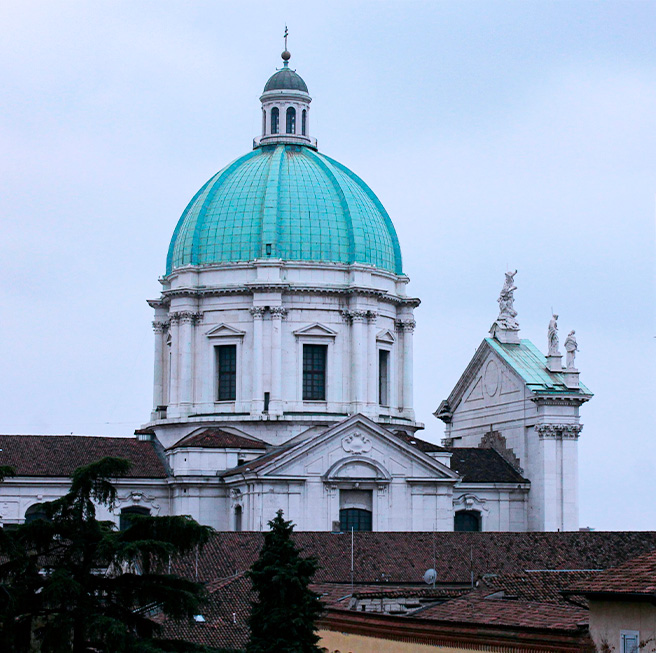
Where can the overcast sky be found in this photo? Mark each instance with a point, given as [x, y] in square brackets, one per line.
[497, 134]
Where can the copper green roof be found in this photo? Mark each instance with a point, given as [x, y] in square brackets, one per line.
[287, 202]
[529, 362]
[285, 79]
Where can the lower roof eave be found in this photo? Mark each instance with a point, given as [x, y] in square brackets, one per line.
[471, 485]
[427, 631]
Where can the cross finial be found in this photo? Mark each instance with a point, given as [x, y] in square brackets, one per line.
[285, 55]
[286, 34]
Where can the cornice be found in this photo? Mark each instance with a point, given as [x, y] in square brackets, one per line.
[252, 288]
[560, 400]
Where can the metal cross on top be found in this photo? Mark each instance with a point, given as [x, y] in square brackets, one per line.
[286, 34]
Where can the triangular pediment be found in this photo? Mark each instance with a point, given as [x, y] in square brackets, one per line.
[385, 336]
[224, 330]
[356, 450]
[316, 329]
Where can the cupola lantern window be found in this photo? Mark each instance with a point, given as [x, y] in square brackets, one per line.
[275, 120]
[291, 120]
[304, 122]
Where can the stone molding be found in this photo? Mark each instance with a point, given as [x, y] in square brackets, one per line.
[571, 431]
[381, 295]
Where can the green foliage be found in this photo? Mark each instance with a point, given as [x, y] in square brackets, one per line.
[283, 617]
[72, 583]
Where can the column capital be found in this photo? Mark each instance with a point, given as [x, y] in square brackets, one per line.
[405, 325]
[160, 326]
[561, 431]
[278, 312]
[186, 317]
[257, 312]
[358, 315]
[372, 316]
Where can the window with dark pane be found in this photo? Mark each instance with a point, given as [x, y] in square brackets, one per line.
[263, 121]
[314, 372]
[35, 512]
[303, 122]
[357, 519]
[128, 513]
[226, 363]
[383, 377]
[467, 520]
[275, 120]
[291, 120]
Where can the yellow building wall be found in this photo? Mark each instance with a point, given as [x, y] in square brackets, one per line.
[608, 618]
[335, 642]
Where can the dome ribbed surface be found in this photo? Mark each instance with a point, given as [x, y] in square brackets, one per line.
[287, 202]
[285, 79]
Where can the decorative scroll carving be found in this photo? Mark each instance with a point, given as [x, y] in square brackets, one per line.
[407, 325]
[186, 317]
[278, 312]
[559, 430]
[160, 327]
[356, 443]
[257, 312]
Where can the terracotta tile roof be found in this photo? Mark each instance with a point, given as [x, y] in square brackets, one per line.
[404, 557]
[543, 586]
[483, 466]
[476, 609]
[60, 455]
[637, 576]
[265, 459]
[225, 616]
[216, 438]
[422, 445]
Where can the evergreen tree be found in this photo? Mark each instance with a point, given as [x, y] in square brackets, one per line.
[283, 617]
[72, 583]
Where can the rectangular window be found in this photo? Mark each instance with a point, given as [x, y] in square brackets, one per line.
[314, 372]
[226, 365]
[629, 641]
[383, 377]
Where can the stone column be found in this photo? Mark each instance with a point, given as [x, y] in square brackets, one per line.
[185, 336]
[158, 379]
[407, 327]
[358, 358]
[175, 343]
[257, 401]
[372, 365]
[277, 315]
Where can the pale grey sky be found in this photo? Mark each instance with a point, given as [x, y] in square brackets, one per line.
[497, 134]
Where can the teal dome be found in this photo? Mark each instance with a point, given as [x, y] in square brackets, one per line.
[287, 202]
[286, 79]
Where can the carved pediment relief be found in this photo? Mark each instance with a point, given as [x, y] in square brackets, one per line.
[476, 393]
[223, 331]
[348, 469]
[315, 330]
[356, 443]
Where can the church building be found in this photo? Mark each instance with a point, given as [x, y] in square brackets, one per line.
[283, 372]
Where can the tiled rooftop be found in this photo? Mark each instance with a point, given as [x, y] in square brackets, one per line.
[216, 438]
[61, 455]
[483, 466]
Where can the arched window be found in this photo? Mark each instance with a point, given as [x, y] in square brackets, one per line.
[275, 120]
[263, 122]
[291, 120]
[238, 513]
[303, 122]
[128, 513]
[467, 520]
[35, 512]
[357, 519]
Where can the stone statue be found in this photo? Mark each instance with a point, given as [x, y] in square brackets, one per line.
[552, 336]
[571, 347]
[507, 312]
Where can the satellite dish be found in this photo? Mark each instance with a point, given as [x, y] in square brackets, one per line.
[430, 576]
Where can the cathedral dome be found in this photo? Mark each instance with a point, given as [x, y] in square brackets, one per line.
[289, 202]
[285, 80]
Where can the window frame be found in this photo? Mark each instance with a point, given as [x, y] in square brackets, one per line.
[304, 122]
[316, 346]
[290, 120]
[388, 377]
[274, 120]
[217, 372]
[468, 513]
[361, 513]
[123, 519]
[632, 634]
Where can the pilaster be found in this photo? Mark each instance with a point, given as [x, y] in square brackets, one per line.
[257, 400]
[407, 328]
[278, 314]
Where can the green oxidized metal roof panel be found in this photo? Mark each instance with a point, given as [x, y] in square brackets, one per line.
[288, 202]
[529, 362]
[286, 79]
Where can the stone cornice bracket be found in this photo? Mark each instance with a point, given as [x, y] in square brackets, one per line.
[405, 325]
[278, 312]
[257, 312]
[160, 327]
[566, 400]
[567, 431]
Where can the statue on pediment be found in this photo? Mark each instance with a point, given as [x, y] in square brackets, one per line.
[571, 347]
[552, 337]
